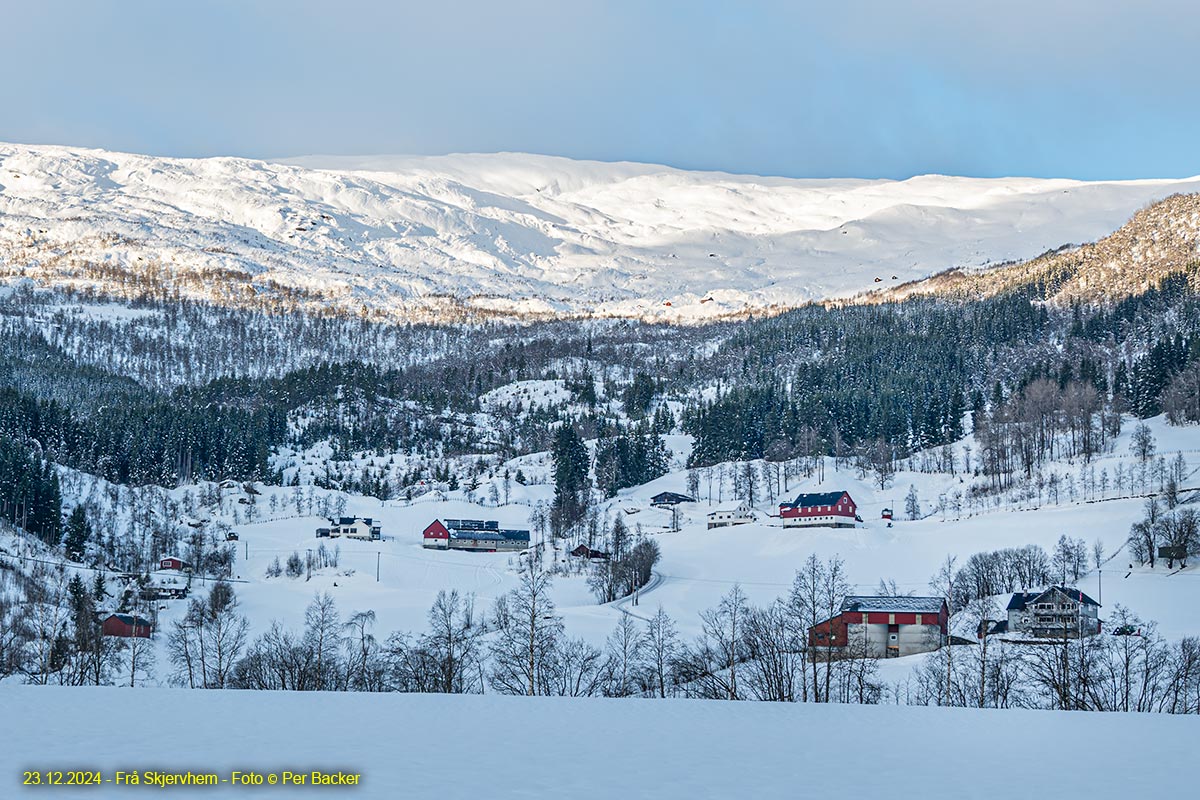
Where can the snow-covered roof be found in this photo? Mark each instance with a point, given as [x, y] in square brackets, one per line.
[730, 507]
[891, 605]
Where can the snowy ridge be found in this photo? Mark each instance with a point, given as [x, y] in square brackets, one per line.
[516, 234]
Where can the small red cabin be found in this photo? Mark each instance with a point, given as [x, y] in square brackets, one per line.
[173, 562]
[127, 626]
[885, 514]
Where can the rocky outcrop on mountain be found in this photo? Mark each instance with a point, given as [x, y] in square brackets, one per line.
[1161, 241]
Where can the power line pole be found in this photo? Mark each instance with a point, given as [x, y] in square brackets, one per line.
[377, 567]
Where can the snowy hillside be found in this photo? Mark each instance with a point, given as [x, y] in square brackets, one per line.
[698, 565]
[538, 747]
[398, 579]
[415, 237]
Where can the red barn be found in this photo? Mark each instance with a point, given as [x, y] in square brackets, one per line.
[436, 535]
[173, 562]
[127, 626]
[820, 509]
[885, 626]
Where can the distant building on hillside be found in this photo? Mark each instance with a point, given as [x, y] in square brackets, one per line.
[732, 513]
[885, 514]
[667, 499]
[127, 626]
[352, 528]
[474, 535]
[173, 562]
[156, 592]
[820, 510]
[882, 626]
[583, 551]
[1054, 613]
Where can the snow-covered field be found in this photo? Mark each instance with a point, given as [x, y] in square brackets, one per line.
[521, 233]
[426, 746]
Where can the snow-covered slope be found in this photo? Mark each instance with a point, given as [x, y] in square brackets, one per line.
[516, 233]
[398, 579]
[458, 746]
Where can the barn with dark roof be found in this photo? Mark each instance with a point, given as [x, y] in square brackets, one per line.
[820, 510]
[883, 626]
[666, 499]
[474, 534]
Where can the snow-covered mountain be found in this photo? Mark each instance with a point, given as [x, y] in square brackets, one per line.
[516, 233]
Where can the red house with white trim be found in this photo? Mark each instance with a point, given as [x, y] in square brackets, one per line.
[436, 535]
[173, 562]
[820, 510]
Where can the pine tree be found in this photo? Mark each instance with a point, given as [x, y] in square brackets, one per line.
[99, 588]
[571, 485]
[912, 505]
[78, 532]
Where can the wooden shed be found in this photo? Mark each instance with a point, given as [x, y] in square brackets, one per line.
[127, 626]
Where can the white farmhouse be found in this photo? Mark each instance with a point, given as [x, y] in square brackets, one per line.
[732, 513]
[352, 528]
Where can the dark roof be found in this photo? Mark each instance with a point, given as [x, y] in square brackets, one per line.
[490, 536]
[1020, 600]
[815, 499]
[671, 497]
[1073, 593]
[892, 604]
[473, 524]
[130, 619]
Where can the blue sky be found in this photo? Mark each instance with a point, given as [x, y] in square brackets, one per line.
[1070, 88]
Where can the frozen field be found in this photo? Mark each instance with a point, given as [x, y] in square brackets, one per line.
[431, 746]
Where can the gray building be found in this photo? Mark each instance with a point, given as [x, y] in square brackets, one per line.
[1054, 613]
[474, 534]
